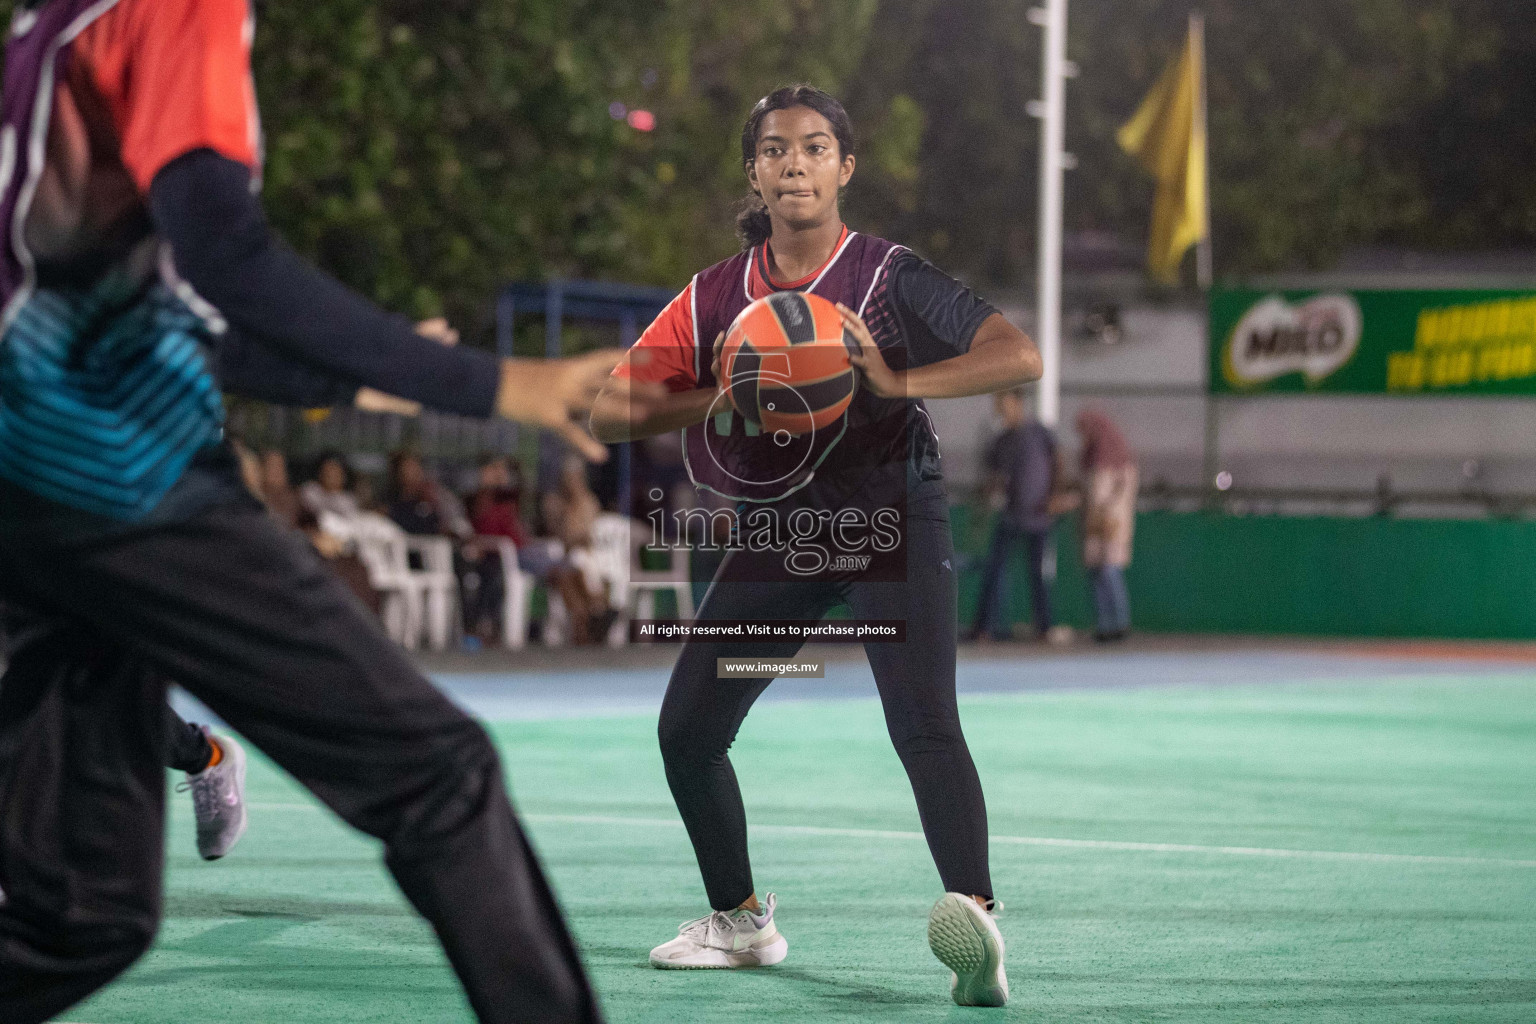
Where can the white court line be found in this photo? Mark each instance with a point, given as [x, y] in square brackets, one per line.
[1080, 844]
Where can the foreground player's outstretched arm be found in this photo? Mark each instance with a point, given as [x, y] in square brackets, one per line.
[665, 354]
[252, 369]
[614, 418]
[203, 205]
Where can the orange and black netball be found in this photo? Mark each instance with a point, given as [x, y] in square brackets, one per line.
[785, 361]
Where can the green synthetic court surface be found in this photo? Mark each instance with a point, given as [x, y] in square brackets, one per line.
[1357, 849]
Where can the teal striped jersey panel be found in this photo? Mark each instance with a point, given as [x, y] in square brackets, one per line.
[105, 397]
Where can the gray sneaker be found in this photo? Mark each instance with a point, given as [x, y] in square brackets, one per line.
[218, 800]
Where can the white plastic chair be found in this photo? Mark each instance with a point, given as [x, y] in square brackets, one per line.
[517, 605]
[381, 546]
[439, 587]
[616, 546]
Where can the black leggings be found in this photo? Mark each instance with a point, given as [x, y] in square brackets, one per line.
[916, 679]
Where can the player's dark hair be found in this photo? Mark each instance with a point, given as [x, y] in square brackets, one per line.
[752, 223]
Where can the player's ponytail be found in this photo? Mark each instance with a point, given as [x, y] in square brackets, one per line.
[752, 223]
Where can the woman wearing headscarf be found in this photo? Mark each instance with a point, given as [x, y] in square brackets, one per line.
[1109, 519]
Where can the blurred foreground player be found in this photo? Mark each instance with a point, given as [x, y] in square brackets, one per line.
[133, 239]
[214, 765]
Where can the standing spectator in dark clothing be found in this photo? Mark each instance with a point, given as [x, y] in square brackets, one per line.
[1022, 463]
[495, 510]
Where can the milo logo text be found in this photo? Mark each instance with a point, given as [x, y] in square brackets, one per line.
[1274, 338]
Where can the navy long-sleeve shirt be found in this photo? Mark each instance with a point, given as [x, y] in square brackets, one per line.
[297, 336]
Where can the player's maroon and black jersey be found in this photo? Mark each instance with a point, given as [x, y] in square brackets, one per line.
[916, 314]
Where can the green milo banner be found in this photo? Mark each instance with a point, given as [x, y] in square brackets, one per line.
[1374, 342]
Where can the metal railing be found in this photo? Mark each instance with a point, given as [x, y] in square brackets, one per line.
[436, 437]
[1384, 500]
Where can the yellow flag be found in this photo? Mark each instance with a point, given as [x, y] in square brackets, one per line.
[1167, 137]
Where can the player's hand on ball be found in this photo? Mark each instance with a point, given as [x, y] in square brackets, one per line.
[879, 379]
[551, 393]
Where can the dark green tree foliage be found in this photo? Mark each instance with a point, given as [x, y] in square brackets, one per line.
[714, 61]
[428, 151]
[1474, 145]
[967, 69]
[1333, 123]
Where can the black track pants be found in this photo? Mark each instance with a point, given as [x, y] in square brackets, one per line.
[245, 616]
[916, 679]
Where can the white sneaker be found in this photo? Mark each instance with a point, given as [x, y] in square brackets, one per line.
[218, 800]
[966, 940]
[736, 939]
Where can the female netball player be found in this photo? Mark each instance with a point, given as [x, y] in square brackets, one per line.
[920, 335]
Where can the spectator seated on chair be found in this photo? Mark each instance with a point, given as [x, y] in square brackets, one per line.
[419, 505]
[495, 510]
[343, 559]
[266, 477]
[569, 512]
[330, 489]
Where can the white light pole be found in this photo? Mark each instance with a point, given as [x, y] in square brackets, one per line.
[1054, 160]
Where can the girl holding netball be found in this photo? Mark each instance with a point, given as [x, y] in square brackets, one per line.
[919, 335]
